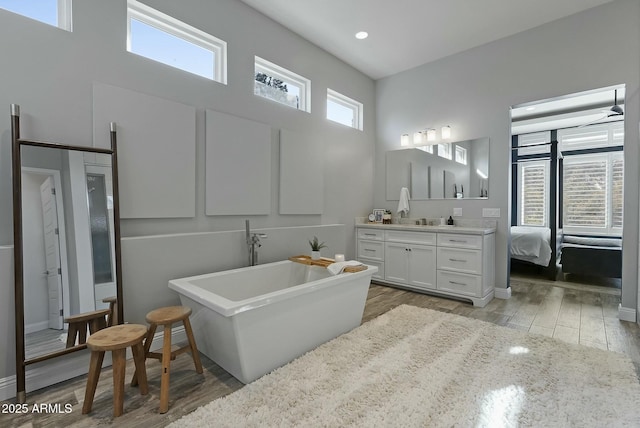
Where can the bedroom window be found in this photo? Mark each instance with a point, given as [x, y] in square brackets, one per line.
[533, 178]
[593, 193]
[281, 85]
[162, 38]
[344, 110]
[52, 12]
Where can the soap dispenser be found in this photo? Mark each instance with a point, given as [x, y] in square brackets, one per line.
[450, 221]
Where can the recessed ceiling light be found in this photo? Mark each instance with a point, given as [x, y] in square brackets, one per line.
[362, 35]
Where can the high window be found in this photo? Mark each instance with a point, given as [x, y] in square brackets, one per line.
[52, 12]
[281, 85]
[444, 151]
[160, 37]
[344, 110]
[461, 155]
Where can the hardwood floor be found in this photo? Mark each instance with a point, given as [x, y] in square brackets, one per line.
[565, 310]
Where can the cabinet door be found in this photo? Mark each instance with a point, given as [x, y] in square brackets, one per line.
[396, 262]
[422, 266]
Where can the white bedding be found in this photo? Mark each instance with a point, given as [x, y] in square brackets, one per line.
[531, 244]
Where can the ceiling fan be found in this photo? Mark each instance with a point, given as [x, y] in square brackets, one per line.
[615, 110]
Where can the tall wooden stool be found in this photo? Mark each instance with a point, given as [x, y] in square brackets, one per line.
[167, 317]
[115, 339]
[78, 324]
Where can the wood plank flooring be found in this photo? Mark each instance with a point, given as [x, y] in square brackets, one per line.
[567, 311]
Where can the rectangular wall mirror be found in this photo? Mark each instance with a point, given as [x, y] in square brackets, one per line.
[440, 171]
[67, 247]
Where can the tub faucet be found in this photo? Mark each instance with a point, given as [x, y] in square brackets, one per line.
[253, 243]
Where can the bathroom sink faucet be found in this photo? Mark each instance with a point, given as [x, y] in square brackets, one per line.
[253, 243]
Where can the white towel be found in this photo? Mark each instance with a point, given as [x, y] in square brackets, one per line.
[338, 267]
[403, 203]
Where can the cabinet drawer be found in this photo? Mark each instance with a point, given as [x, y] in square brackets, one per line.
[460, 260]
[371, 234]
[373, 250]
[460, 241]
[459, 283]
[425, 238]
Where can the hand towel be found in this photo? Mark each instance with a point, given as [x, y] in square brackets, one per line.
[338, 267]
[403, 203]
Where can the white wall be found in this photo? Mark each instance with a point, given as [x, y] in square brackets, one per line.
[52, 80]
[472, 91]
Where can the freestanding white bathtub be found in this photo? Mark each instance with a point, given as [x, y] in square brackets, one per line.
[255, 319]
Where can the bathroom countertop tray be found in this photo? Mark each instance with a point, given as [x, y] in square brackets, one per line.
[324, 262]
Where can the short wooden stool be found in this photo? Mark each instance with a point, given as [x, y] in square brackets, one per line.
[167, 317]
[115, 339]
[78, 324]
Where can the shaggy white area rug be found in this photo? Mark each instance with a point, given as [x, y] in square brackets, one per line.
[415, 367]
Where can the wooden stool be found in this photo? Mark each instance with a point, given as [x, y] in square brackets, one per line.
[166, 317]
[115, 339]
[112, 319]
[94, 320]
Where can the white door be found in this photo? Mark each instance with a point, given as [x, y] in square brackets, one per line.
[52, 253]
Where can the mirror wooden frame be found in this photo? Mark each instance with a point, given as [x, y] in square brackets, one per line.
[18, 245]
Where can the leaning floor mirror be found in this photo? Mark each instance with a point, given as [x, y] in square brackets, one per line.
[67, 260]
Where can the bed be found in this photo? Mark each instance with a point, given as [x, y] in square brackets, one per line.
[531, 244]
[536, 246]
[596, 256]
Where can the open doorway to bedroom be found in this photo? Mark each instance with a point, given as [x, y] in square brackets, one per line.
[567, 195]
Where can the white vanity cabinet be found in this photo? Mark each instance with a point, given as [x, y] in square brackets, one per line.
[410, 258]
[457, 262]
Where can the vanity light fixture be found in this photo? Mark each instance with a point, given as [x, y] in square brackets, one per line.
[431, 134]
[418, 137]
[361, 35]
[446, 132]
[404, 140]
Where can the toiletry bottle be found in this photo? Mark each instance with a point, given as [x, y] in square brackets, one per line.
[450, 221]
[442, 223]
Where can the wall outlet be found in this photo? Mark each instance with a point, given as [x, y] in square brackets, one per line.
[491, 212]
[457, 212]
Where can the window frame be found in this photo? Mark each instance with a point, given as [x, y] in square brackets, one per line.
[460, 155]
[262, 65]
[174, 27]
[545, 208]
[355, 106]
[609, 157]
[64, 16]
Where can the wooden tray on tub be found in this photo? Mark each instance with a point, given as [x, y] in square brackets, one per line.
[324, 262]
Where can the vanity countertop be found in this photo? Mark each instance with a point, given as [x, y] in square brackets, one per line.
[438, 229]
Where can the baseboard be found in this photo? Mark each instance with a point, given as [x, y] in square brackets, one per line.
[37, 326]
[72, 365]
[626, 314]
[503, 293]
